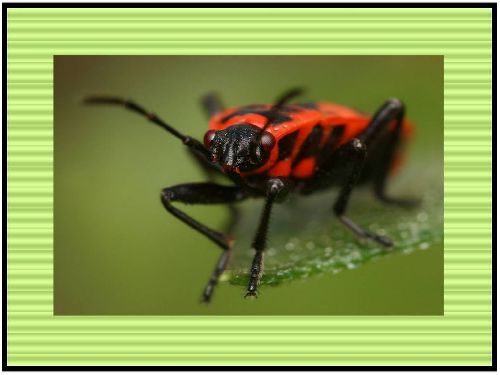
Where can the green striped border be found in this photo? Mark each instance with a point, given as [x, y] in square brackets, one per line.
[461, 337]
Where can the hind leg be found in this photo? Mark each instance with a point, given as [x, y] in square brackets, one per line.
[392, 110]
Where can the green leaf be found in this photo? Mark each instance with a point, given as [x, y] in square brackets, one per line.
[306, 239]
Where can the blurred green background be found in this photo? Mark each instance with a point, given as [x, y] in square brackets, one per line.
[117, 251]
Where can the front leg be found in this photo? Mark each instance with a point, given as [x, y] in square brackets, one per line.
[276, 187]
[204, 193]
[210, 171]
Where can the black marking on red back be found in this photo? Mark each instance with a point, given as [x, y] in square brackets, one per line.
[311, 145]
[331, 144]
[285, 145]
[276, 117]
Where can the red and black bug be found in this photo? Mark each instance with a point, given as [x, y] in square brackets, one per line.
[270, 151]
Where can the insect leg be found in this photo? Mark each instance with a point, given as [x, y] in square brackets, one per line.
[210, 173]
[275, 186]
[204, 193]
[234, 218]
[392, 110]
[355, 153]
[212, 104]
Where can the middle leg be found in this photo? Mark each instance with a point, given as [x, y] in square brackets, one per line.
[276, 187]
[354, 154]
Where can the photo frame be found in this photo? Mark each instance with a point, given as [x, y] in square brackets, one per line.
[463, 336]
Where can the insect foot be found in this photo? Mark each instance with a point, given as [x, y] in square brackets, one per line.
[384, 240]
[251, 295]
[255, 274]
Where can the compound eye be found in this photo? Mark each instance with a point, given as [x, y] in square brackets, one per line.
[209, 137]
[267, 141]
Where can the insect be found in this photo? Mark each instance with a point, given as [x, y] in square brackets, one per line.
[269, 151]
